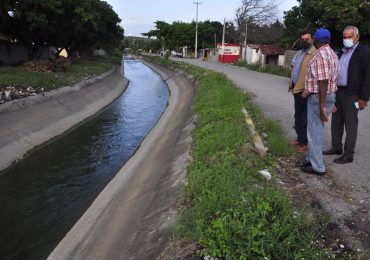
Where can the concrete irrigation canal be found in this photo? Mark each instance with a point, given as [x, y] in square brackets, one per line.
[70, 185]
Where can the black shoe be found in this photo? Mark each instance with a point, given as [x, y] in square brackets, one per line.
[309, 170]
[332, 151]
[343, 160]
[303, 163]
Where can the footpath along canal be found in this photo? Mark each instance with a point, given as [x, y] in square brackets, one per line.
[43, 196]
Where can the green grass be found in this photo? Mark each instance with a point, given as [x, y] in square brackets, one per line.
[276, 70]
[79, 70]
[230, 210]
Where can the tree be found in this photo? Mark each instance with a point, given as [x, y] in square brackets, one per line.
[232, 34]
[207, 31]
[256, 11]
[29, 22]
[257, 15]
[334, 15]
[74, 25]
[180, 34]
[86, 24]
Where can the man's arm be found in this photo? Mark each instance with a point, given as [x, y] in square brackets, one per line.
[323, 87]
[365, 84]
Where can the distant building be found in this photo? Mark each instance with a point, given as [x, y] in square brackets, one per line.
[229, 53]
[271, 55]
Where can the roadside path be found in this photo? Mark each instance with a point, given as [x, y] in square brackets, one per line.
[345, 190]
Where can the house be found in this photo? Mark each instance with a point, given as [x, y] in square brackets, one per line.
[228, 53]
[271, 55]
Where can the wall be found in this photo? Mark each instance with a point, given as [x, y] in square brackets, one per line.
[281, 60]
[289, 54]
[252, 56]
[14, 54]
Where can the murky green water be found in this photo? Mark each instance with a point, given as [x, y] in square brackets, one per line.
[43, 195]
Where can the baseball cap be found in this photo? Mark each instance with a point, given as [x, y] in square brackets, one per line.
[322, 35]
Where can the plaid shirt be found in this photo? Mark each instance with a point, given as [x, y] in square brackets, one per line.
[323, 66]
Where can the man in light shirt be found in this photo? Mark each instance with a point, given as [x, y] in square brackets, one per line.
[352, 96]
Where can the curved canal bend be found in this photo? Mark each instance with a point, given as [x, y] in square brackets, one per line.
[42, 196]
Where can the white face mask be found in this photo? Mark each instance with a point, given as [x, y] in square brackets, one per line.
[348, 43]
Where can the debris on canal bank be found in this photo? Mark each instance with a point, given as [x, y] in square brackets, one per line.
[9, 93]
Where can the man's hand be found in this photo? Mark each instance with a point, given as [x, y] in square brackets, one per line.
[362, 104]
[334, 109]
[305, 94]
[323, 116]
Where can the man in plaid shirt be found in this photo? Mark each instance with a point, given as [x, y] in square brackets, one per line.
[320, 88]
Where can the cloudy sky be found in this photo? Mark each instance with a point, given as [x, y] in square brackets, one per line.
[139, 16]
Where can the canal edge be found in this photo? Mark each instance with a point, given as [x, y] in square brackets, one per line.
[36, 121]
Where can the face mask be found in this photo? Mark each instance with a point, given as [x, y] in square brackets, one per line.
[348, 43]
[305, 45]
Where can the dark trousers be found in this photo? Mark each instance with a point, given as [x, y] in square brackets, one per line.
[300, 118]
[344, 118]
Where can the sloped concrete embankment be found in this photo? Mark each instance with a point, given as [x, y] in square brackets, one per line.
[130, 218]
[29, 122]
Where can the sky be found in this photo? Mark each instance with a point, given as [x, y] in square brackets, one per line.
[139, 16]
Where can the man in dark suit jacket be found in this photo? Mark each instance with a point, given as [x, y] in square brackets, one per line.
[352, 95]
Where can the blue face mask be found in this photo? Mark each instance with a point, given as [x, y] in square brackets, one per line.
[348, 43]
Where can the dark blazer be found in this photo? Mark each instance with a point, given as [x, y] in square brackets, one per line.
[359, 73]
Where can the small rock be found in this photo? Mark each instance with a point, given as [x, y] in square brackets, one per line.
[30, 89]
[16, 94]
[265, 173]
[8, 94]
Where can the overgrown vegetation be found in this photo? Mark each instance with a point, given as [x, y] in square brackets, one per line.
[276, 70]
[230, 211]
[79, 70]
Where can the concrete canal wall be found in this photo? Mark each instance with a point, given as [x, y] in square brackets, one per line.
[29, 122]
[130, 218]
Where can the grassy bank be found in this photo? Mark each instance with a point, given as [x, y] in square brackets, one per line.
[79, 70]
[230, 211]
[276, 70]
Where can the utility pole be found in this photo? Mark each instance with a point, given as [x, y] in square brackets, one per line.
[223, 40]
[223, 34]
[196, 31]
[245, 41]
[163, 45]
[215, 42]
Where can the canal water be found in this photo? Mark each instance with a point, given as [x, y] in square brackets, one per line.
[42, 196]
